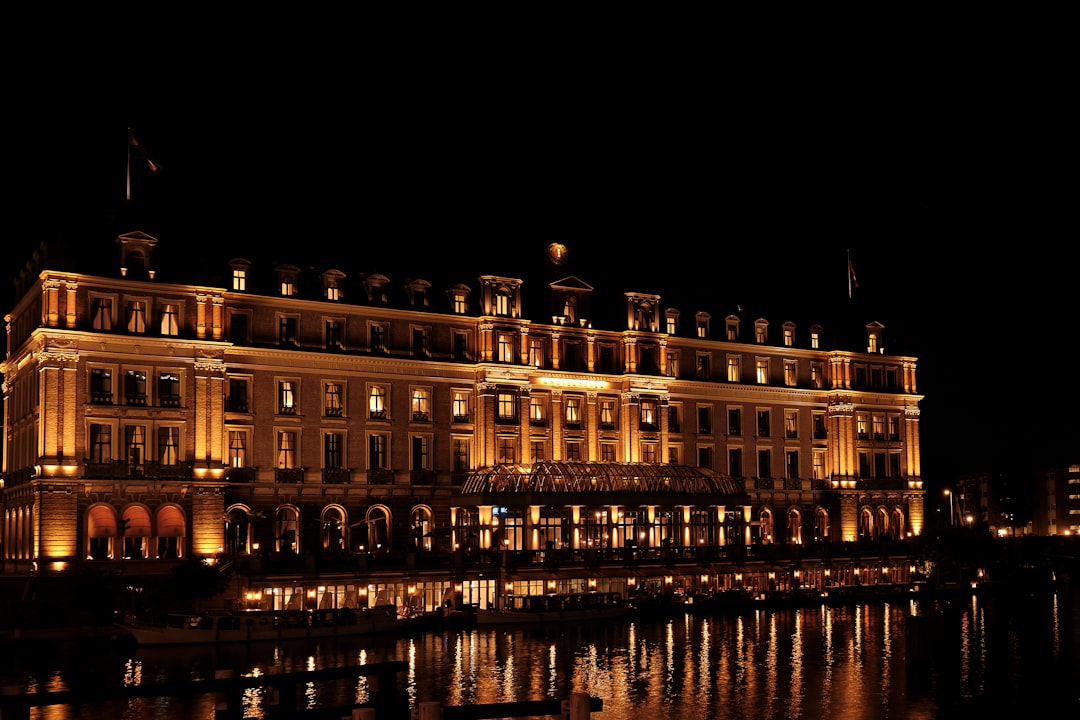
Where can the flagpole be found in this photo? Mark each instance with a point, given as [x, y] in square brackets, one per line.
[128, 198]
[849, 275]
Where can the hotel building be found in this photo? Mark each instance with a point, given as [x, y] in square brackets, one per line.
[305, 422]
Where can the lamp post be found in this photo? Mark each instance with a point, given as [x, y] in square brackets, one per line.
[948, 494]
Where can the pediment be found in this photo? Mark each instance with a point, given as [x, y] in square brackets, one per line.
[572, 283]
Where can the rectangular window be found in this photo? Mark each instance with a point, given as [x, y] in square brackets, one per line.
[894, 427]
[101, 386]
[607, 452]
[734, 421]
[287, 397]
[537, 449]
[136, 316]
[507, 448]
[238, 444]
[421, 452]
[894, 464]
[333, 399]
[287, 330]
[421, 404]
[704, 366]
[791, 461]
[286, 449]
[791, 373]
[815, 339]
[101, 313]
[672, 359]
[506, 406]
[168, 445]
[377, 402]
[819, 426]
[506, 348]
[239, 280]
[100, 443]
[573, 451]
[762, 367]
[648, 452]
[168, 388]
[170, 319]
[879, 464]
[238, 395]
[573, 411]
[135, 387]
[674, 424]
[760, 334]
[459, 304]
[735, 462]
[607, 359]
[704, 420]
[461, 346]
[536, 352]
[673, 454]
[536, 410]
[238, 328]
[135, 445]
[460, 403]
[704, 457]
[335, 335]
[607, 414]
[763, 429]
[420, 342]
[461, 455]
[734, 368]
[649, 418]
[377, 458]
[789, 337]
[732, 330]
[864, 464]
[878, 422]
[862, 426]
[379, 333]
[764, 462]
[502, 304]
[819, 464]
[817, 375]
[791, 424]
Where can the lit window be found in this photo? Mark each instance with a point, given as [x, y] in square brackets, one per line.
[536, 352]
[573, 451]
[286, 449]
[421, 404]
[506, 405]
[648, 413]
[377, 402]
[101, 312]
[573, 410]
[648, 452]
[734, 368]
[791, 424]
[170, 322]
[168, 445]
[239, 279]
[460, 403]
[789, 336]
[287, 397]
[732, 329]
[761, 333]
[238, 443]
[790, 372]
[536, 410]
[815, 338]
[507, 450]
[817, 375]
[819, 464]
[333, 398]
[762, 371]
[136, 316]
[607, 414]
[502, 303]
[607, 452]
[506, 348]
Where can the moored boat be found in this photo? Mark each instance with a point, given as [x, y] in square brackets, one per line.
[554, 608]
[262, 625]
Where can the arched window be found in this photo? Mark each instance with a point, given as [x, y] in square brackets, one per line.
[421, 525]
[287, 530]
[334, 530]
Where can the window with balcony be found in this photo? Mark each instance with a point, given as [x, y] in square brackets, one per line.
[100, 443]
[287, 454]
[764, 463]
[819, 464]
[862, 426]
[762, 371]
[378, 402]
[460, 405]
[573, 411]
[101, 390]
[734, 368]
[734, 421]
[506, 406]
[135, 387]
[877, 421]
[791, 424]
[239, 397]
[170, 319]
[238, 447]
[287, 397]
[420, 452]
[333, 399]
[378, 336]
[648, 410]
[135, 316]
[378, 444]
[763, 423]
[607, 414]
[135, 446]
[460, 452]
[421, 404]
[101, 313]
[168, 389]
[333, 450]
[169, 445]
[791, 373]
[791, 463]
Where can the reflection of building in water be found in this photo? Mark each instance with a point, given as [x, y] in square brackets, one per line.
[316, 420]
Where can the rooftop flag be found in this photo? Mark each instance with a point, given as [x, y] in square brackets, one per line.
[134, 144]
[852, 282]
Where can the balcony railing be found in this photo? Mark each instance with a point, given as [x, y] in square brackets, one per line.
[240, 474]
[380, 476]
[120, 469]
[422, 477]
[289, 475]
[336, 476]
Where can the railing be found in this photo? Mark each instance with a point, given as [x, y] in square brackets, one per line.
[240, 474]
[289, 475]
[336, 476]
[380, 476]
[123, 469]
[422, 477]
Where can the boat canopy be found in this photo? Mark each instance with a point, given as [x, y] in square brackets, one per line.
[576, 477]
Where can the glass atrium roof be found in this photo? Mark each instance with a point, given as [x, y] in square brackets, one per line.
[574, 477]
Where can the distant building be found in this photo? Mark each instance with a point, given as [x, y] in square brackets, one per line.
[316, 412]
[1057, 502]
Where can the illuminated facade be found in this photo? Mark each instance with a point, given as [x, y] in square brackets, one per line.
[364, 415]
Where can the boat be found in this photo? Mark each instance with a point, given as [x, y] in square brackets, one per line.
[554, 608]
[267, 625]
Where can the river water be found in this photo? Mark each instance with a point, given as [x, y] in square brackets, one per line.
[996, 655]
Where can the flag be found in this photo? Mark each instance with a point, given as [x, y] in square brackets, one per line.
[852, 282]
[154, 167]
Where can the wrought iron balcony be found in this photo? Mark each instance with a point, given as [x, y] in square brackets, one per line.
[336, 476]
[289, 475]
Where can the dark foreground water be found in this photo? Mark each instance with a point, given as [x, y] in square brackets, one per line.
[994, 656]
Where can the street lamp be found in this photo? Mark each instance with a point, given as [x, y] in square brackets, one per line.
[948, 494]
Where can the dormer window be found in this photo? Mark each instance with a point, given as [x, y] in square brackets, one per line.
[873, 338]
[703, 319]
[502, 303]
[459, 299]
[732, 328]
[761, 331]
[375, 286]
[815, 337]
[239, 267]
[331, 280]
[418, 291]
[789, 334]
[671, 322]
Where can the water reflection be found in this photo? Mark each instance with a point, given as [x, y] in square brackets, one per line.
[981, 654]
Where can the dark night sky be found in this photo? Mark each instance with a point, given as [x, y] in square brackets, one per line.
[945, 183]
